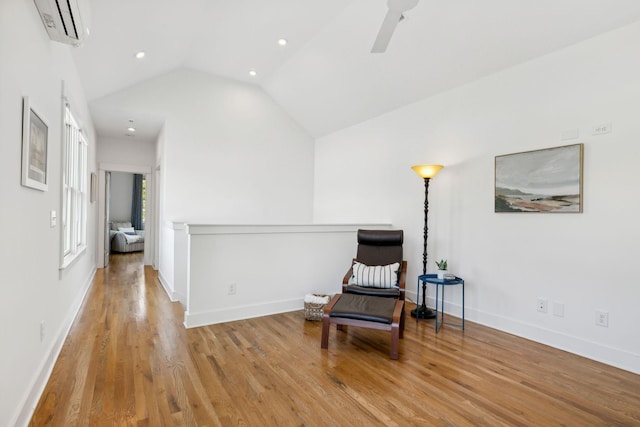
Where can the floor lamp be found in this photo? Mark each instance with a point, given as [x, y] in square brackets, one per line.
[426, 172]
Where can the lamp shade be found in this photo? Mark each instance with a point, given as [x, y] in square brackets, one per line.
[427, 171]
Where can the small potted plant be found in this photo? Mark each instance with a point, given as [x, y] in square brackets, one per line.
[442, 268]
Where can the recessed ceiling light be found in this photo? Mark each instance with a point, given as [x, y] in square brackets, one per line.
[131, 129]
[140, 54]
[253, 73]
[282, 42]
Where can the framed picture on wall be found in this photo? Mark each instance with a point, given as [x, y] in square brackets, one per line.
[93, 187]
[35, 140]
[548, 180]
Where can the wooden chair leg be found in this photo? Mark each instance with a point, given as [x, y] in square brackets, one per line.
[397, 328]
[395, 341]
[326, 321]
[326, 325]
[398, 316]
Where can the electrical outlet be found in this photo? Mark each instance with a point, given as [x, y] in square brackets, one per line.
[601, 129]
[542, 305]
[42, 331]
[602, 318]
[232, 289]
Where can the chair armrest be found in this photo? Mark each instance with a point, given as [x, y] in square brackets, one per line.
[347, 276]
[329, 307]
[402, 279]
[345, 280]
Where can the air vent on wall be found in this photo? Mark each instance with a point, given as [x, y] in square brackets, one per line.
[66, 21]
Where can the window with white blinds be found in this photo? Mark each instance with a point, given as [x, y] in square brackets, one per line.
[74, 190]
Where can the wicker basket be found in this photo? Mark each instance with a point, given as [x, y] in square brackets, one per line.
[314, 311]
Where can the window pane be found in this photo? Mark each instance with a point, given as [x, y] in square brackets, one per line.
[74, 189]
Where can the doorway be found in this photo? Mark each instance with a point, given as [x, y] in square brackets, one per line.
[116, 189]
[128, 199]
[126, 214]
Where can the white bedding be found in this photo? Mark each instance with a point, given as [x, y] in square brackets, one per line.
[133, 238]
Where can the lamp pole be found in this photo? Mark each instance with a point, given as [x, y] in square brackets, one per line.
[426, 230]
[427, 172]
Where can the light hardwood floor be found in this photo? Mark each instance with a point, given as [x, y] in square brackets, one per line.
[128, 360]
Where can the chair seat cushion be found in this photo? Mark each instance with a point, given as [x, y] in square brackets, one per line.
[364, 307]
[364, 290]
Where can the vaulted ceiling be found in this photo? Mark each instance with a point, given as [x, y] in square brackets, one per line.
[326, 77]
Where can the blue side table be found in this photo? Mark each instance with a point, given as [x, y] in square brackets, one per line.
[433, 280]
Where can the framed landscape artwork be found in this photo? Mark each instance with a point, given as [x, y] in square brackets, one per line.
[35, 140]
[548, 180]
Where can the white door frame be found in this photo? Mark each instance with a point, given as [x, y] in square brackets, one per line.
[106, 232]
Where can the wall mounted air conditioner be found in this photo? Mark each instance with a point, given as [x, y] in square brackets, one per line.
[66, 21]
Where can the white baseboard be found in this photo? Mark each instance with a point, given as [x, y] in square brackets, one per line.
[612, 356]
[230, 314]
[43, 373]
[173, 297]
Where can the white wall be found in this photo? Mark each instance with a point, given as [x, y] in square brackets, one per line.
[271, 267]
[121, 196]
[163, 253]
[181, 272]
[33, 288]
[229, 154]
[126, 152]
[584, 261]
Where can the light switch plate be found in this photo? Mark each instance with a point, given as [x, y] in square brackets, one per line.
[53, 219]
[558, 309]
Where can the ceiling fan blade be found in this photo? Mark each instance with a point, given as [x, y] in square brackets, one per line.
[386, 31]
[394, 16]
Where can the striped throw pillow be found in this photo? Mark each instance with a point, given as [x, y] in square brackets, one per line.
[375, 276]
